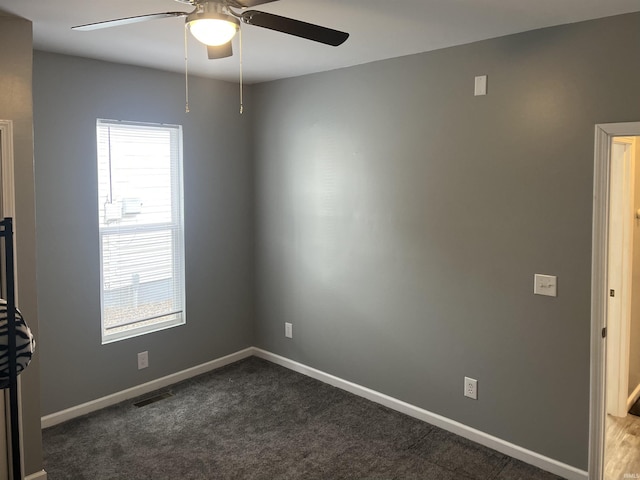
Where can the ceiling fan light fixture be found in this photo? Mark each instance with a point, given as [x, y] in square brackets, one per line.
[212, 28]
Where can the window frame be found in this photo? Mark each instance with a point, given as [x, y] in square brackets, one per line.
[175, 226]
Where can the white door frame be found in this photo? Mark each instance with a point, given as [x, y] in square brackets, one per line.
[599, 292]
[8, 209]
[620, 269]
[8, 202]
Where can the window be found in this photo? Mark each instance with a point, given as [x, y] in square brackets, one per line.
[141, 228]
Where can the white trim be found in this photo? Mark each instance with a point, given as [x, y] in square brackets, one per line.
[100, 403]
[41, 475]
[619, 275]
[633, 397]
[603, 135]
[8, 188]
[8, 194]
[528, 456]
[8, 209]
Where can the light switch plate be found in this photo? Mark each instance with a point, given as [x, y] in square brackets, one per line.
[480, 86]
[545, 285]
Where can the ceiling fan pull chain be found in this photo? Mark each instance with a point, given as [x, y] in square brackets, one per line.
[186, 71]
[240, 40]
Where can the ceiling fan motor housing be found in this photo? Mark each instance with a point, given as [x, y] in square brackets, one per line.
[212, 24]
[211, 10]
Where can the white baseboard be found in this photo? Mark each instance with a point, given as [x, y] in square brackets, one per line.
[100, 403]
[515, 451]
[41, 475]
[502, 446]
[633, 397]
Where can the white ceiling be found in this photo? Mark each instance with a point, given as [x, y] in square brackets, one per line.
[379, 29]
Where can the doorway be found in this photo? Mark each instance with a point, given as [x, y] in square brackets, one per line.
[621, 455]
[612, 281]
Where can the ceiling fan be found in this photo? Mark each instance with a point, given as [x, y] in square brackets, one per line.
[215, 23]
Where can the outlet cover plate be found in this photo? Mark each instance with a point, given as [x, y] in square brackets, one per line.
[480, 87]
[143, 360]
[471, 388]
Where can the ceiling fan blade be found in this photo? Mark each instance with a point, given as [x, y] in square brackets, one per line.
[247, 3]
[325, 35]
[221, 51]
[126, 21]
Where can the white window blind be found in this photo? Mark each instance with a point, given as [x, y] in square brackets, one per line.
[141, 228]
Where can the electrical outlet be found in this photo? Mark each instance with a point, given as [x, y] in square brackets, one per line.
[288, 330]
[143, 360]
[471, 388]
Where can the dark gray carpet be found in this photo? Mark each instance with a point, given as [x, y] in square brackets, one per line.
[257, 420]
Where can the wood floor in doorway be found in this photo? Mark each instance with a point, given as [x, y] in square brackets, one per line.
[622, 452]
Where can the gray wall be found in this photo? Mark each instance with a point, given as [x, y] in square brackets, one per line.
[69, 94]
[401, 221]
[634, 350]
[16, 105]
